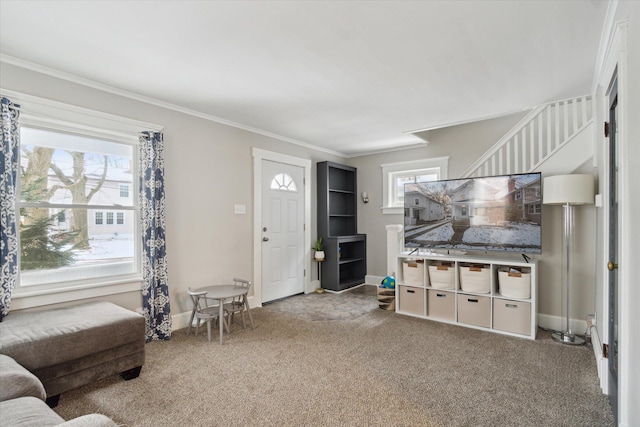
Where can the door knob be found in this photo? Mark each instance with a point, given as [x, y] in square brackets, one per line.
[612, 266]
[265, 239]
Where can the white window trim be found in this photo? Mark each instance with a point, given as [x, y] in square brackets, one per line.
[388, 169]
[57, 116]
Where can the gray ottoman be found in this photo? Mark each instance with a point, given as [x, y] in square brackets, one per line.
[72, 346]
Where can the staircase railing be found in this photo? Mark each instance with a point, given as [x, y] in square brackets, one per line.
[541, 133]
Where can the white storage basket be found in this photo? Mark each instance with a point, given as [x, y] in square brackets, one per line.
[514, 283]
[413, 272]
[475, 278]
[441, 276]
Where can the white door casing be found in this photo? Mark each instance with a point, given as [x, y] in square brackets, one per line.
[282, 230]
[259, 156]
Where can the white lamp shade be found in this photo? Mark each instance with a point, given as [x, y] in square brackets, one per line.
[574, 189]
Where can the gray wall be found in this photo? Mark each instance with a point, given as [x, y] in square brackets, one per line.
[208, 169]
[464, 144]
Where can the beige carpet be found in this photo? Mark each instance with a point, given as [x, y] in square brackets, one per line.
[373, 369]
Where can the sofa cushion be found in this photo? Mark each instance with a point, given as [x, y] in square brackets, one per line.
[49, 337]
[91, 420]
[16, 381]
[28, 412]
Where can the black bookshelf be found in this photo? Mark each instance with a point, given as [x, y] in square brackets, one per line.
[345, 262]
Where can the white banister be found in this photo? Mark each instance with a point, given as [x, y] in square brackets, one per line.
[534, 138]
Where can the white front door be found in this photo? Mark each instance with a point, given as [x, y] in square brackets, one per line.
[282, 230]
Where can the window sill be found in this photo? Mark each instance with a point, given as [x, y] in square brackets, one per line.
[22, 299]
[388, 210]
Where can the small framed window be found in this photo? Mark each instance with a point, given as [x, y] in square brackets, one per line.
[535, 209]
[109, 218]
[120, 218]
[518, 195]
[124, 190]
[396, 175]
[99, 218]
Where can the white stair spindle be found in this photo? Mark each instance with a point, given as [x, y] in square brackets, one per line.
[508, 156]
[524, 150]
[516, 147]
[566, 120]
[574, 108]
[549, 141]
[556, 142]
[532, 146]
[541, 145]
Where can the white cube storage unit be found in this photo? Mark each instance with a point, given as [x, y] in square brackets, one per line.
[497, 295]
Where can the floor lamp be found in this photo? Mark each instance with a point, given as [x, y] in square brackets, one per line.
[568, 190]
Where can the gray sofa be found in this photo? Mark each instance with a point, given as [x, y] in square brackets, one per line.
[22, 402]
[69, 347]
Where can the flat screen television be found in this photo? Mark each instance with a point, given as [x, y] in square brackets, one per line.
[497, 213]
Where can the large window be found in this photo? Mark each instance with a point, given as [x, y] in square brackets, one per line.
[79, 178]
[75, 167]
[396, 175]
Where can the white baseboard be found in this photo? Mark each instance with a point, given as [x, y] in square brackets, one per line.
[601, 362]
[181, 320]
[556, 323]
[373, 280]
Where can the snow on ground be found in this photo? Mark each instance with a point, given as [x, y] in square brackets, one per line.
[438, 234]
[514, 233]
[106, 249]
[514, 236]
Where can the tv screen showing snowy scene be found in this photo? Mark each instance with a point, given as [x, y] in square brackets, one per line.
[497, 213]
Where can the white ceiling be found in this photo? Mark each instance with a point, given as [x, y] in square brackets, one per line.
[349, 76]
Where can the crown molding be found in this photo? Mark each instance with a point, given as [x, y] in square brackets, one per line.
[156, 102]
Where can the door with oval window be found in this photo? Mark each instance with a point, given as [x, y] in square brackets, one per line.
[282, 230]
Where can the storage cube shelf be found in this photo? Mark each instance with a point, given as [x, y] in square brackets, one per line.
[497, 295]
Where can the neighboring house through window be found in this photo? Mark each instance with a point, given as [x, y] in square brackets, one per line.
[396, 175]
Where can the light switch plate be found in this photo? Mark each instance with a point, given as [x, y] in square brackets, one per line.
[240, 209]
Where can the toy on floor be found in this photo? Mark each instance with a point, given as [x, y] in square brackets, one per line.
[388, 282]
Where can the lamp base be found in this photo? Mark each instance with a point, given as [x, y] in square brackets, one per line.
[567, 338]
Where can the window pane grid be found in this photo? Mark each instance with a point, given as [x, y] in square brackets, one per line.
[69, 188]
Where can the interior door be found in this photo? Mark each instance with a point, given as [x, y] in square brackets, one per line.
[613, 252]
[282, 230]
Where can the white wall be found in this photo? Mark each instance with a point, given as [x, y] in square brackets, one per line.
[208, 169]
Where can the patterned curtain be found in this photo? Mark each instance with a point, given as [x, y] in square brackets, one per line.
[8, 231]
[155, 292]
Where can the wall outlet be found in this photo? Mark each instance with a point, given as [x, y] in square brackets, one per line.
[591, 320]
[240, 209]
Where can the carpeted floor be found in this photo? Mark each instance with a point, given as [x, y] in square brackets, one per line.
[309, 367]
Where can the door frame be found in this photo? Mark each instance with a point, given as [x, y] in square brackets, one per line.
[614, 65]
[258, 156]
